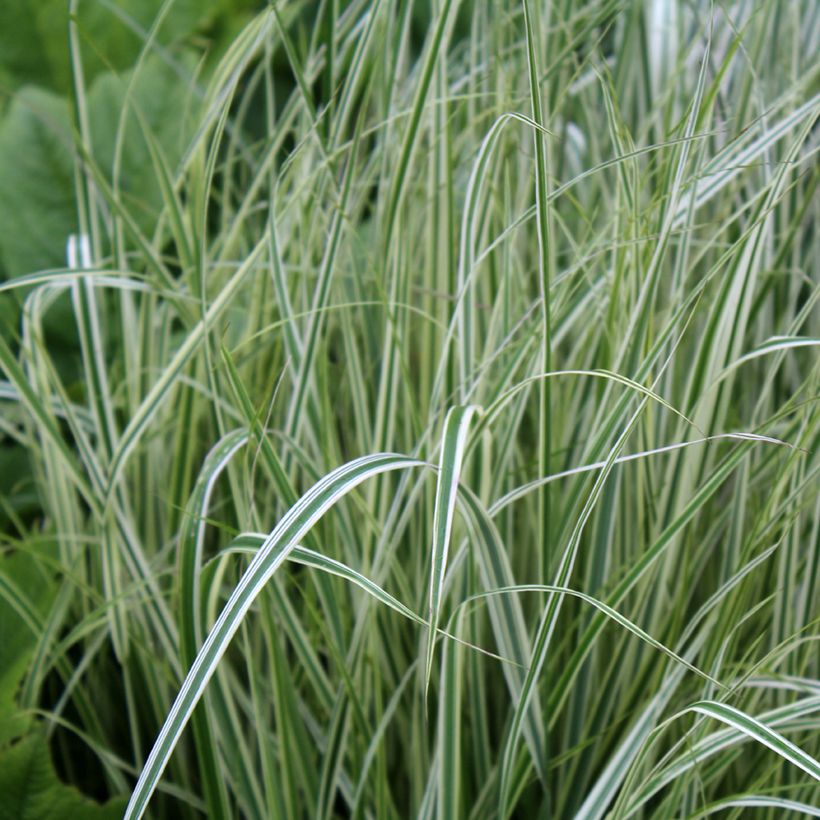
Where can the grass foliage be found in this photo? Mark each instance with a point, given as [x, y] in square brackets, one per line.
[421, 417]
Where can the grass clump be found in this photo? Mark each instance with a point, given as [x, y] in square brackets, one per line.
[411, 410]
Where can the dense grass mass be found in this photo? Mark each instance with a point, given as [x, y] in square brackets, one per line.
[411, 410]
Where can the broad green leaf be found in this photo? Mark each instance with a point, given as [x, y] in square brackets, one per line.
[26, 592]
[32, 791]
[162, 101]
[34, 46]
[37, 208]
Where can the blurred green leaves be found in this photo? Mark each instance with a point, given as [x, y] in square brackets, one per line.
[34, 36]
[37, 209]
[26, 593]
[29, 786]
[37, 156]
[32, 791]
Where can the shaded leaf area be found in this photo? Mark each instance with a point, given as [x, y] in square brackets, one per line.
[28, 591]
[34, 44]
[31, 790]
[38, 208]
[29, 784]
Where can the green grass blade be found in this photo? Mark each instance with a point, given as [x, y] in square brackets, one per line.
[276, 548]
[453, 444]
